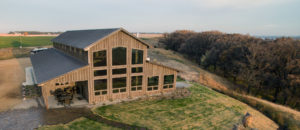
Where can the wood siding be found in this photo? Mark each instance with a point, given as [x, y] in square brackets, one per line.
[161, 71]
[81, 74]
[117, 39]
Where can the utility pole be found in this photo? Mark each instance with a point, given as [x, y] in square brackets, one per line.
[20, 40]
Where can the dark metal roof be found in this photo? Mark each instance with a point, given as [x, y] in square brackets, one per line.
[51, 63]
[82, 38]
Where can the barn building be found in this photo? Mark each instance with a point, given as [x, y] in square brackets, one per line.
[97, 66]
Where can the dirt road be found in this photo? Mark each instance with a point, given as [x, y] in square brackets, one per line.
[12, 75]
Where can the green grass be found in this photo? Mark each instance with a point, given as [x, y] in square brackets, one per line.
[79, 124]
[25, 41]
[203, 109]
[179, 79]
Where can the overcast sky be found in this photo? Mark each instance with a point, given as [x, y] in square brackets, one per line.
[255, 17]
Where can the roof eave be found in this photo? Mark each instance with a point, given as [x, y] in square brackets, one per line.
[155, 63]
[120, 29]
[43, 82]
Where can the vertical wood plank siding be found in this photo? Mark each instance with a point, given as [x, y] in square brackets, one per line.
[117, 39]
[81, 74]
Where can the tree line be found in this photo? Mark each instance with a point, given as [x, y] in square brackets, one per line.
[265, 68]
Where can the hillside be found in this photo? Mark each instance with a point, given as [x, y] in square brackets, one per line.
[192, 72]
[203, 109]
[268, 69]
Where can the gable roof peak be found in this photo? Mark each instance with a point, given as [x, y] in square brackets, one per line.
[84, 39]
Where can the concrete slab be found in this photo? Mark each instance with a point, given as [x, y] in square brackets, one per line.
[182, 85]
[30, 79]
[26, 104]
[76, 102]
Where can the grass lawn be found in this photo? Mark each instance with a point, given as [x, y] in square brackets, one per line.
[203, 109]
[16, 41]
[79, 124]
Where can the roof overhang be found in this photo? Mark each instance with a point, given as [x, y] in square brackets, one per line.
[159, 64]
[52, 63]
[121, 29]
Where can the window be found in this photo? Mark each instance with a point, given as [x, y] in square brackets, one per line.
[78, 51]
[152, 83]
[99, 58]
[137, 70]
[72, 49]
[54, 45]
[100, 72]
[137, 56]
[168, 81]
[100, 86]
[119, 56]
[67, 48]
[119, 85]
[97, 93]
[119, 71]
[136, 83]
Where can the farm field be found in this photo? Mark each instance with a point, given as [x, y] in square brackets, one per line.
[25, 41]
[79, 124]
[203, 109]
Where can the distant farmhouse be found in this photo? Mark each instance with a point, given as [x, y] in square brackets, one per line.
[94, 66]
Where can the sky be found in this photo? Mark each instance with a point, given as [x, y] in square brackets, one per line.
[254, 17]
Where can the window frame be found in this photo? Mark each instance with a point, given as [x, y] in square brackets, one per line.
[132, 56]
[137, 87]
[137, 69]
[93, 57]
[168, 85]
[154, 87]
[101, 91]
[100, 70]
[114, 71]
[112, 56]
[120, 89]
